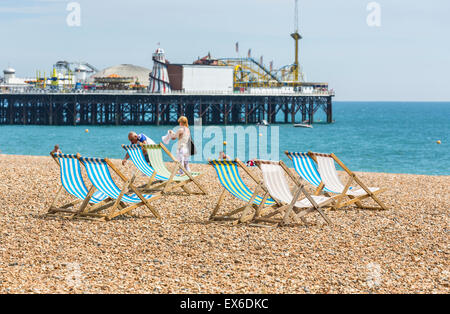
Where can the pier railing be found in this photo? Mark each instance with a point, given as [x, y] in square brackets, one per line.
[180, 93]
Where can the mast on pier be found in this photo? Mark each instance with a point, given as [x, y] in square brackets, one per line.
[296, 37]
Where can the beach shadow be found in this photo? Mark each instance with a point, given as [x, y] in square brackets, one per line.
[232, 224]
[69, 218]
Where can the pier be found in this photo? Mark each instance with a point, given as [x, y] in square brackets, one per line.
[141, 108]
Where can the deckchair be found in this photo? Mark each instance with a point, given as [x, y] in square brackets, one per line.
[100, 176]
[292, 208]
[73, 183]
[231, 181]
[138, 159]
[172, 181]
[331, 181]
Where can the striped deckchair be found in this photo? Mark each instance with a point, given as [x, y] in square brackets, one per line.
[138, 159]
[100, 176]
[331, 181]
[172, 181]
[229, 177]
[73, 183]
[293, 208]
[306, 168]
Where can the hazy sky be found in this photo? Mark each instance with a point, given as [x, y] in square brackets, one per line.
[406, 58]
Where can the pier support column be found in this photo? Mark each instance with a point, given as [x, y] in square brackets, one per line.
[303, 109]
[329, 110]
[74, 113]
[50, 113]
[189, 109]
[157, 112]
[286, 112]
[246, 112]
[116, 113]
[269, 110]
[311, 110]
[94, 117]
[235, 113]
[292, 111]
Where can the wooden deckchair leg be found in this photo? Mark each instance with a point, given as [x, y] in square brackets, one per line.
[175, 186]
[371, 194]
[216, 209]
[119, 198]
[99, 207]
[169, 182]
[146, 202]
[365, 188]
[85, 202]
[258, 210]
[316, 206]
[55, 199]
[150, 181]
[248, 217]
[128, 184]
[249, 205]
[125, 210]
[193, 179]
[319, 189]
[302, 189]
[291, 205]
[344, 192]
[357, 201]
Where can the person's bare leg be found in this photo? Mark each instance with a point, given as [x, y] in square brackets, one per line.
[186, 165]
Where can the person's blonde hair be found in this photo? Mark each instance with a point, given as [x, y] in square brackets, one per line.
[183, 120]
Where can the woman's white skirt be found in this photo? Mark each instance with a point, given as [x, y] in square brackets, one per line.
[183, 154]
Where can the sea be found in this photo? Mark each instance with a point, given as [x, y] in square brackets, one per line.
[391, 137]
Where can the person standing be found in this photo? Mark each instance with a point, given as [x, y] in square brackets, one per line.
[183, 135]
[135, 138]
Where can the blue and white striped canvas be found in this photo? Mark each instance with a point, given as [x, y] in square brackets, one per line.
[305, 166]
[72, 180]
[138, 159]
[98, 172]
[228, 174]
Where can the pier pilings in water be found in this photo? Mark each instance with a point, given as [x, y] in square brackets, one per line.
[159, 109]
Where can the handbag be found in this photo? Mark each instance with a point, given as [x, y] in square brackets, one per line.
[193, 150]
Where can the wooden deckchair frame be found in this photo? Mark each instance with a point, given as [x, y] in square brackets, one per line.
[290, 211]
[171, 184]
[340, 198]
[245, 211]
[119, 208]
[84, 209]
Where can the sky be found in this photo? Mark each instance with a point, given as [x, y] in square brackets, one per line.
[405, 58]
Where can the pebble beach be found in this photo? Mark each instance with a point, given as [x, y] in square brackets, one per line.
[401, 250]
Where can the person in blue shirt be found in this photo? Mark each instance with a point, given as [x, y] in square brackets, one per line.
[135, 138]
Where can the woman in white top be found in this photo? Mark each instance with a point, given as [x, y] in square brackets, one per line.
[183, 134]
